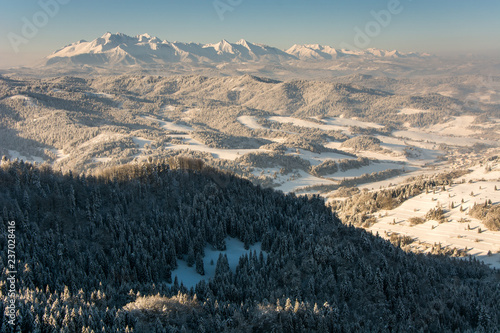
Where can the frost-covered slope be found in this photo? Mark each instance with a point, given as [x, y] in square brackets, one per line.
[458, 229]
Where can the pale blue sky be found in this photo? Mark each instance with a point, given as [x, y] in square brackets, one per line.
[444, 26]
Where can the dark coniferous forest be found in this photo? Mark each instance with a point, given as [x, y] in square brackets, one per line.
[96, 254]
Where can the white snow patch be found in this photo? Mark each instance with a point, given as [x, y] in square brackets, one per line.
[316, 159]
[374, 167]
[28, 100]
[447, 93]
[60, 154]
[458, 126]
[457, 132]
[15, 154]
[190, 111]
[250, 122]
[99, 94]
[235, 249]
[334, 124]
[480, 173]
[227, 154]
[101, 159]
[104, 137]
[412, 111]
[290, 182]
[170, 126]
[438, 139]
[141, 142]
[396, 180]
[168, 108]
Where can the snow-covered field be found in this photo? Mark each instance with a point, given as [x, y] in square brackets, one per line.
[424, 152]
[459, 131]
[457, 126]
[374, 167]
[226, 154]
[141, 142]
[170, 126]
[327, 124]
[60, 154]
[472, 234]
[15, 154]
[102, 160]
[99, 95]
[235, 249]
[291, 182]
[418, 135]
[396, 180]
[103, 137]
[250, 122]
[316, 159]
[412, 111]
[168, 108]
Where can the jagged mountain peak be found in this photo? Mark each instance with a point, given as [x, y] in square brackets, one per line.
[144, 35]
[242, 42]
[119, 49]
[115, 49]
[222, 47]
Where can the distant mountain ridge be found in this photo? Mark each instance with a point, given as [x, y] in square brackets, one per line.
[319, 52]
[123, 50]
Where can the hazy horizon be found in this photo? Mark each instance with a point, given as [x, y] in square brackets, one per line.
[444, 28]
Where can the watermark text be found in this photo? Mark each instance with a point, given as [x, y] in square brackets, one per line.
[223, 6]
[31, 26]
[10, 311]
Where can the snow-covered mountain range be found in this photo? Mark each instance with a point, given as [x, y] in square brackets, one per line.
[319, 52]
[122, 50]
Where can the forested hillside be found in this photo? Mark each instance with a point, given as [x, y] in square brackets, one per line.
[97, 254]
[290, 135]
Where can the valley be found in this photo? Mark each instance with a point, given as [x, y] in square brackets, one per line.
[305, 137]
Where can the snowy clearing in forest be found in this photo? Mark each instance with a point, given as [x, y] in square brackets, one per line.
[99, 95]
[170, 126]
[59, 154]
[103, 137]
[418, 135]
[373, 167]
[396, 180]
[226, 154]
[250, 122]
[102, 160]
[235, 249]
[168, 108]
[318, 158]
[327, 124]
[141, 142]
[292, 182]
[15, 154]
[412, 111]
